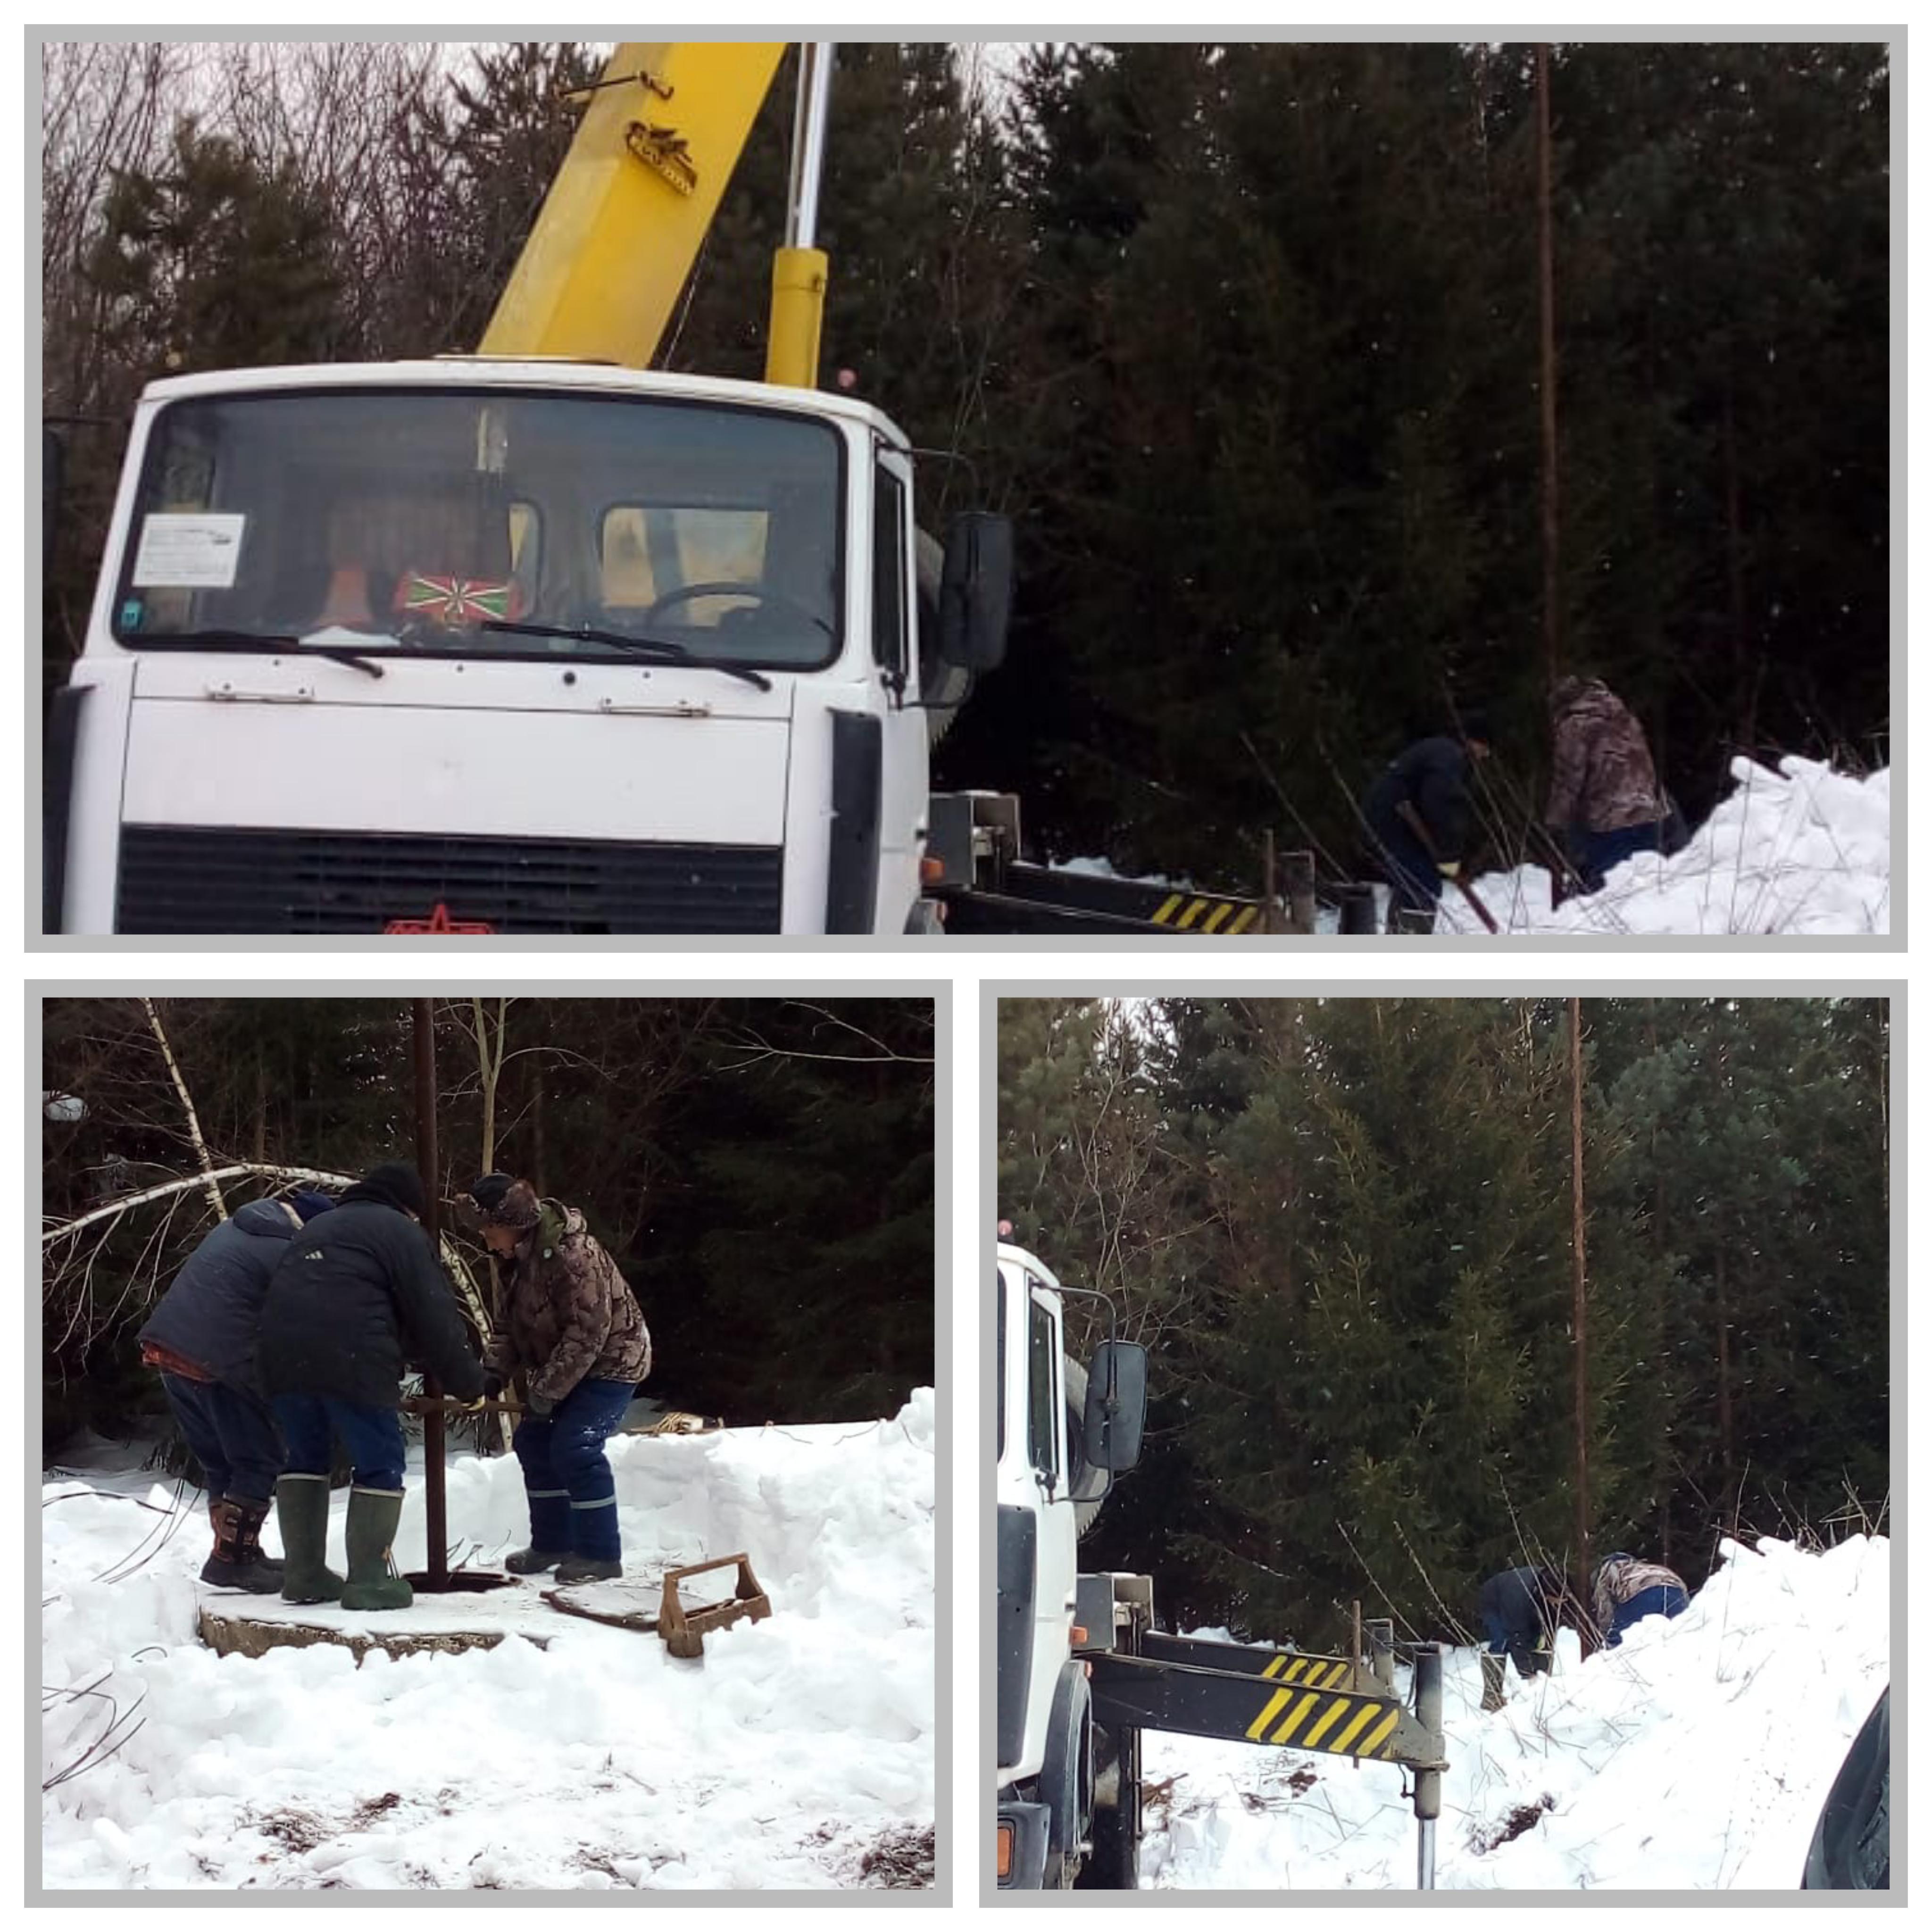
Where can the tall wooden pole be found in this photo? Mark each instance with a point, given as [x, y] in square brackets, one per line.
[1580, 1333]
[1552, 642]
[435, 1503]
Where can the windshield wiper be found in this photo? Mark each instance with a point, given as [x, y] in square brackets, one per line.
[662, 649]
[252, 641]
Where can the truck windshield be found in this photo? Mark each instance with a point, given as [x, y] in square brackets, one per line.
[417, 521]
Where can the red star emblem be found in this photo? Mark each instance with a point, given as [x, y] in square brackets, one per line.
[438, 921]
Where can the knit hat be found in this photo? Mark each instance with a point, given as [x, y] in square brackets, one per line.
[308, 1202]
[1473, 724]
[394, 1183]
[503, 1201]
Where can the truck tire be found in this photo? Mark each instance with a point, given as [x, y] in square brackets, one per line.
[1087, 1485]
[1115, 1864]
[1066, 1777]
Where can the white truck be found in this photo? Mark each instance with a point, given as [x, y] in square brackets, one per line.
[1080, 1670]
[516, 645]
[1069, 1794]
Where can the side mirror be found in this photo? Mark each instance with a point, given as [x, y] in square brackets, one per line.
[976, 591]
[53, 475]
[1116, 1405]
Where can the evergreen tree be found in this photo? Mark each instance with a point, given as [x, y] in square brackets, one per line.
[210, 262]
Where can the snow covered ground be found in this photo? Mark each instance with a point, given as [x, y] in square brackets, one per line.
[1696, 1755]
[798, 1753]
[1804, 849]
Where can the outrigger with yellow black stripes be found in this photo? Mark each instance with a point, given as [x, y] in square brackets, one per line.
[978, 879]
[1081, 1671]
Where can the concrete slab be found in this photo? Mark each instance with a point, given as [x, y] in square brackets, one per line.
[233, 1623]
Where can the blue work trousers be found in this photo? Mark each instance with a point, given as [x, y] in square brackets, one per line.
[232, 1434]
[1593, 853]
[1527, 1650]
[372, 1437]
[1661, 1600]
[573, 1496]
[1414, 884]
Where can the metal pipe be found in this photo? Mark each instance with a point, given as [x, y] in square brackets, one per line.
[1428, 1782]
[1298, 870]
[1381, 1631]
[808, 143]
[435, 1502]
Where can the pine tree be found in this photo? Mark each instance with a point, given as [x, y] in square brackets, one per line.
[210, 262]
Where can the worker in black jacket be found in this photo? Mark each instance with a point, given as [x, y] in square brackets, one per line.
[202, 1338]
[1521, 1610]
[354, 1298]
[1418, 814]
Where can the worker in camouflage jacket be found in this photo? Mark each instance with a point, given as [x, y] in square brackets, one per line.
[1625, 1590]
[572, 1330]
[1604, 802]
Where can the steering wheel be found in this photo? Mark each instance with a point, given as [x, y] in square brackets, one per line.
[687, 593]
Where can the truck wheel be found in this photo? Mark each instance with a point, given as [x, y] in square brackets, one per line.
[1066, 1777]
[1115, 1864]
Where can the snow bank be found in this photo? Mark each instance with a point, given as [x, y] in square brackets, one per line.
[1696, 1755]
[795, 1748]
[1802, 849]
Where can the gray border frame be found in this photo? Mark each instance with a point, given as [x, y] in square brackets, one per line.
[970, 950]
[1139, 986]
[937, 1896]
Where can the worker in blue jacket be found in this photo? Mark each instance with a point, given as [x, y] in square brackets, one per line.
[202, 1336]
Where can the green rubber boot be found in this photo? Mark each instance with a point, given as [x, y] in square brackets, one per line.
[301, 1512]
[374, 1584]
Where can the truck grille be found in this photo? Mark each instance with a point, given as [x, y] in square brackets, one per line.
[192, 879]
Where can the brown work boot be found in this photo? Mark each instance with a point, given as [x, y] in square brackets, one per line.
[236, 1562]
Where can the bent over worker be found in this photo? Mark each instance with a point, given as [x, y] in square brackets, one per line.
[1604, 804]
[201, 1337]
[1625, 1590]
[573, 1328]
[1520, 1610]
[1418, 814]
[357, 1296]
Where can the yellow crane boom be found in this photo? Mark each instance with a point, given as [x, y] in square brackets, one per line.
[620, 229]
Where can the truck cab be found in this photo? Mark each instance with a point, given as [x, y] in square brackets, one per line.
[512, 645]
[1061, 1432]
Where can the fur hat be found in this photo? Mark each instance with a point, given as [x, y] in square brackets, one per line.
[503, 1201]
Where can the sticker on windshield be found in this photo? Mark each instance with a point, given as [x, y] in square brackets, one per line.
[188, 553]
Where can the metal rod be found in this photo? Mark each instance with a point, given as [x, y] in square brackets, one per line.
[1381, 1649]
[1428, 1782]
[435, 1502]
[1579, 1318]
[1298, 869]
[808, 143]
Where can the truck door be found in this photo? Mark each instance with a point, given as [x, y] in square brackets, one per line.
[1046, 1452]
[903, 785]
